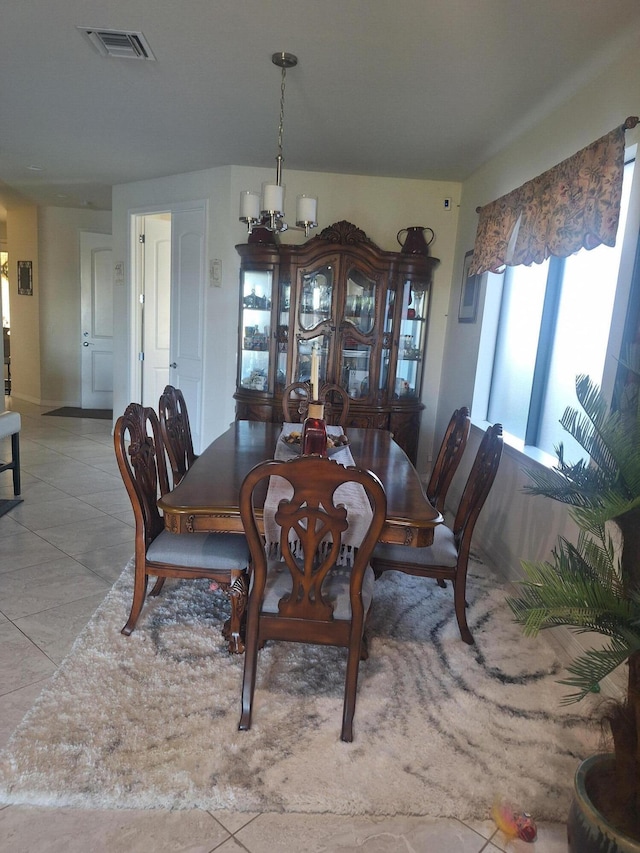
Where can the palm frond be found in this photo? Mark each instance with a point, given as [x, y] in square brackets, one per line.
[588, 670]
[582, 589]
[592, 400]
[591, 439]
[612, 506]
[576, 485]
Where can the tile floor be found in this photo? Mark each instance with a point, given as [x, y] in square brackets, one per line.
[74, 528]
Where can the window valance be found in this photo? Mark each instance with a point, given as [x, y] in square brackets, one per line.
[575, 205]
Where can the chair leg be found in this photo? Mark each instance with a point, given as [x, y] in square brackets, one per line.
[15, 460]
[157, 587]
[233, 630]
[459, 590]
[350, 688]
[249, 675]
[139, 591]
[364, 643]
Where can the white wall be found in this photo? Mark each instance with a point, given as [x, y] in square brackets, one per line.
[380, 206]
[60, 332]
[22, 245]
[515, 526]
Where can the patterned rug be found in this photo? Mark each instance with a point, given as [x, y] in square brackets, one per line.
[440, 728]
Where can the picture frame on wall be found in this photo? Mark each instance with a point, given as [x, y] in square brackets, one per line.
[468, 310]
[25, 278]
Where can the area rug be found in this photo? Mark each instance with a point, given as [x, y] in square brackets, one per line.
[7, 504]
[74, 412]
[441, 728]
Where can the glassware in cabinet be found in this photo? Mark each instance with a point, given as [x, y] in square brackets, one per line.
[255, 323]
[303, 357]
[411, 341]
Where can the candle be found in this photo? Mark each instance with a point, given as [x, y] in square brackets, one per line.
[272, 198]
[306, 210]
[315, 387]
[249, 205]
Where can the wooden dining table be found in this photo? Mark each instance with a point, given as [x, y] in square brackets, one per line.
[207, 498]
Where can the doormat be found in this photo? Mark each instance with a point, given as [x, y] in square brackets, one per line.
[6, 505]
[73, 412]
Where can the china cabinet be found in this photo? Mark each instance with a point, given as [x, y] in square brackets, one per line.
[363, 309]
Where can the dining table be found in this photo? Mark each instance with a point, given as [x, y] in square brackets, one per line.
[207, 498]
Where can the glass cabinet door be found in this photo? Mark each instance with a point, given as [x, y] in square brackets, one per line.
[303, 360]
[358, 323]
[387, 339]
[255, 320]
[316, 297]
[411, 341]
[360, 301]
[282, 334]
[315, 314]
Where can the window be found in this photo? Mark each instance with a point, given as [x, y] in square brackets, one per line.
[553, 323]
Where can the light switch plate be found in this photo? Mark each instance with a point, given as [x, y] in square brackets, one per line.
[215, 272]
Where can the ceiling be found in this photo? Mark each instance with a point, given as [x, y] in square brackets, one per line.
[412, 88]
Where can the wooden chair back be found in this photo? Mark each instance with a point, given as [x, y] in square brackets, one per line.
[140, 454]
[176, 431]
[295, 402]
[479, 482]
[315, 589]
[141, 460]
[449, 457]
[448, 557]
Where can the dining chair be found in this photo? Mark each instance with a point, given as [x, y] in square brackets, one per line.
[223, 558]
[302, 595]
[448, 557]
[295, 402]
[449, 457]
[176, 432]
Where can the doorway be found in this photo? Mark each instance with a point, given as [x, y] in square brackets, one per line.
[168, 289]
[154, 237]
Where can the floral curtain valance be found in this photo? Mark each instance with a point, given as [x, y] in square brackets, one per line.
[575, 205]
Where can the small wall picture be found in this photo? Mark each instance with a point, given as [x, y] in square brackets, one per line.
[468, 309]
[25, 278]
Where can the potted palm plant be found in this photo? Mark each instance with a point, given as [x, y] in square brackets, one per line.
[594, 585]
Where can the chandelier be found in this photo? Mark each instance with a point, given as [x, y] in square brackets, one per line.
[267, 210]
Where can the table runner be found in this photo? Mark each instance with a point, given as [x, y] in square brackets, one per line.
[352, 495]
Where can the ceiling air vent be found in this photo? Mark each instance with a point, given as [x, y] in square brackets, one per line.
[123, 44]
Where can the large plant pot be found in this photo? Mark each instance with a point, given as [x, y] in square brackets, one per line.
[587, 829]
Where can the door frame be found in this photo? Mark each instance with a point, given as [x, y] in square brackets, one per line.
[136, 267]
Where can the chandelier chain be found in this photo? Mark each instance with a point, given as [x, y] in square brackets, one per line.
[281, 124]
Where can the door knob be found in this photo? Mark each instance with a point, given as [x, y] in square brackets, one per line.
[86, 344]
[173, 364]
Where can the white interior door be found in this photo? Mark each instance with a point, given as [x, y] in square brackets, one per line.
[96, 289]
[188, 280]
[156, 308]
